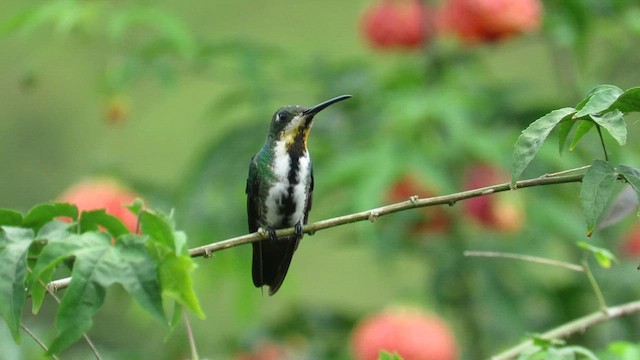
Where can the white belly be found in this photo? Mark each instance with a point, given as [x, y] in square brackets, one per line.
[283, 194]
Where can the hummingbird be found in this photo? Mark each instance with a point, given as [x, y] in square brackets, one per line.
[279, 191]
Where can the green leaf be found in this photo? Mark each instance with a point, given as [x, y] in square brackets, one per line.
[628, 102]
[631, 176]
[389, 356]
[583, 128]
[532, 138]
[10, 217]
[97, 266]
[175, 276]
[597, 186]
[136, 207]
[175, 264]
[603, 256]
[43, 213]
[14, 246]
[158, 228]
[564, 128]
[613, 122]
[600, 99]
[91, 220]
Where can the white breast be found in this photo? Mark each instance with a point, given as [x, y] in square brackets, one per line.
[280, 189]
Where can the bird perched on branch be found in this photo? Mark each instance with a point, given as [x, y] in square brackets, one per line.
[279, 191]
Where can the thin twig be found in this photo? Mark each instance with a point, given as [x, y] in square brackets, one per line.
[565, 172]
[370, 215]
[604, 148]
[37, 340]
[594, 285]
[533, 259]
[577, 326]
[373, 214]
[192, 340]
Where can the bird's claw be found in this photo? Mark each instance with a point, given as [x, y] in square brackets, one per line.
[298, 229]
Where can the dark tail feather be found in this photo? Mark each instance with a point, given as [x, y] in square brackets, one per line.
[271, 260]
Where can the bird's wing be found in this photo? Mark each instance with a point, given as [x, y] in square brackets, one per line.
[253, 191]
[309, 196]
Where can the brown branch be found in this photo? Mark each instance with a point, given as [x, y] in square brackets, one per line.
[373, 214]
[577, 326]
[370, 215]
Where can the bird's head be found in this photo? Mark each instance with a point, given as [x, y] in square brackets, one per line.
[292, 123]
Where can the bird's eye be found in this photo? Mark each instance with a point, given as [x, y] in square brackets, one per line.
[281, 117]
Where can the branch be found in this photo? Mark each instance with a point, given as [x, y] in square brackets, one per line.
[576, 326]
[529, 258]
[370, 215]
[373, 214]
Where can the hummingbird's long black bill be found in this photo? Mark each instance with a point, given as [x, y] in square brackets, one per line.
[316, 109]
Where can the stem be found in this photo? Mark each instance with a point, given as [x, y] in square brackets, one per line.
[533, 259]
[192, 341]
[37, 340]
[565, 172]
[577, 326]
[604, 148]
[594, 285]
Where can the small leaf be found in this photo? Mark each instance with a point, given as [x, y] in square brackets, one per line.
[384, 355]
[175, 264]
[43, 213]
[564, 128]
[603, 256]
[91, 220]
[624, 203]
[532, 138]
[632, 177]
[136, 207]
[613, 122]
[596, 189]
[628, 102]
[10, 217]
[583, 128]
[175, 276]
[14, 246]
[158, 228]
[601, 98]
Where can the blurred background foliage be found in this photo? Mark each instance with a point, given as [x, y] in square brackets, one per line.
[173, 98]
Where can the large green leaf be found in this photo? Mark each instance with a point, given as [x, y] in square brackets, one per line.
[43, 213]
[98, 265]
[600, 99]
[50, 232]
[10, 217]
[597, 186]
[14, 246]
[532, 138]
[628, 102]
[613, 122]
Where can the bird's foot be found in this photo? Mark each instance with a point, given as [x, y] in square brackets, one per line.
[298, 228]
[272, 233]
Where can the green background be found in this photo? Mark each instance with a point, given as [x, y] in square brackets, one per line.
[200, 81]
